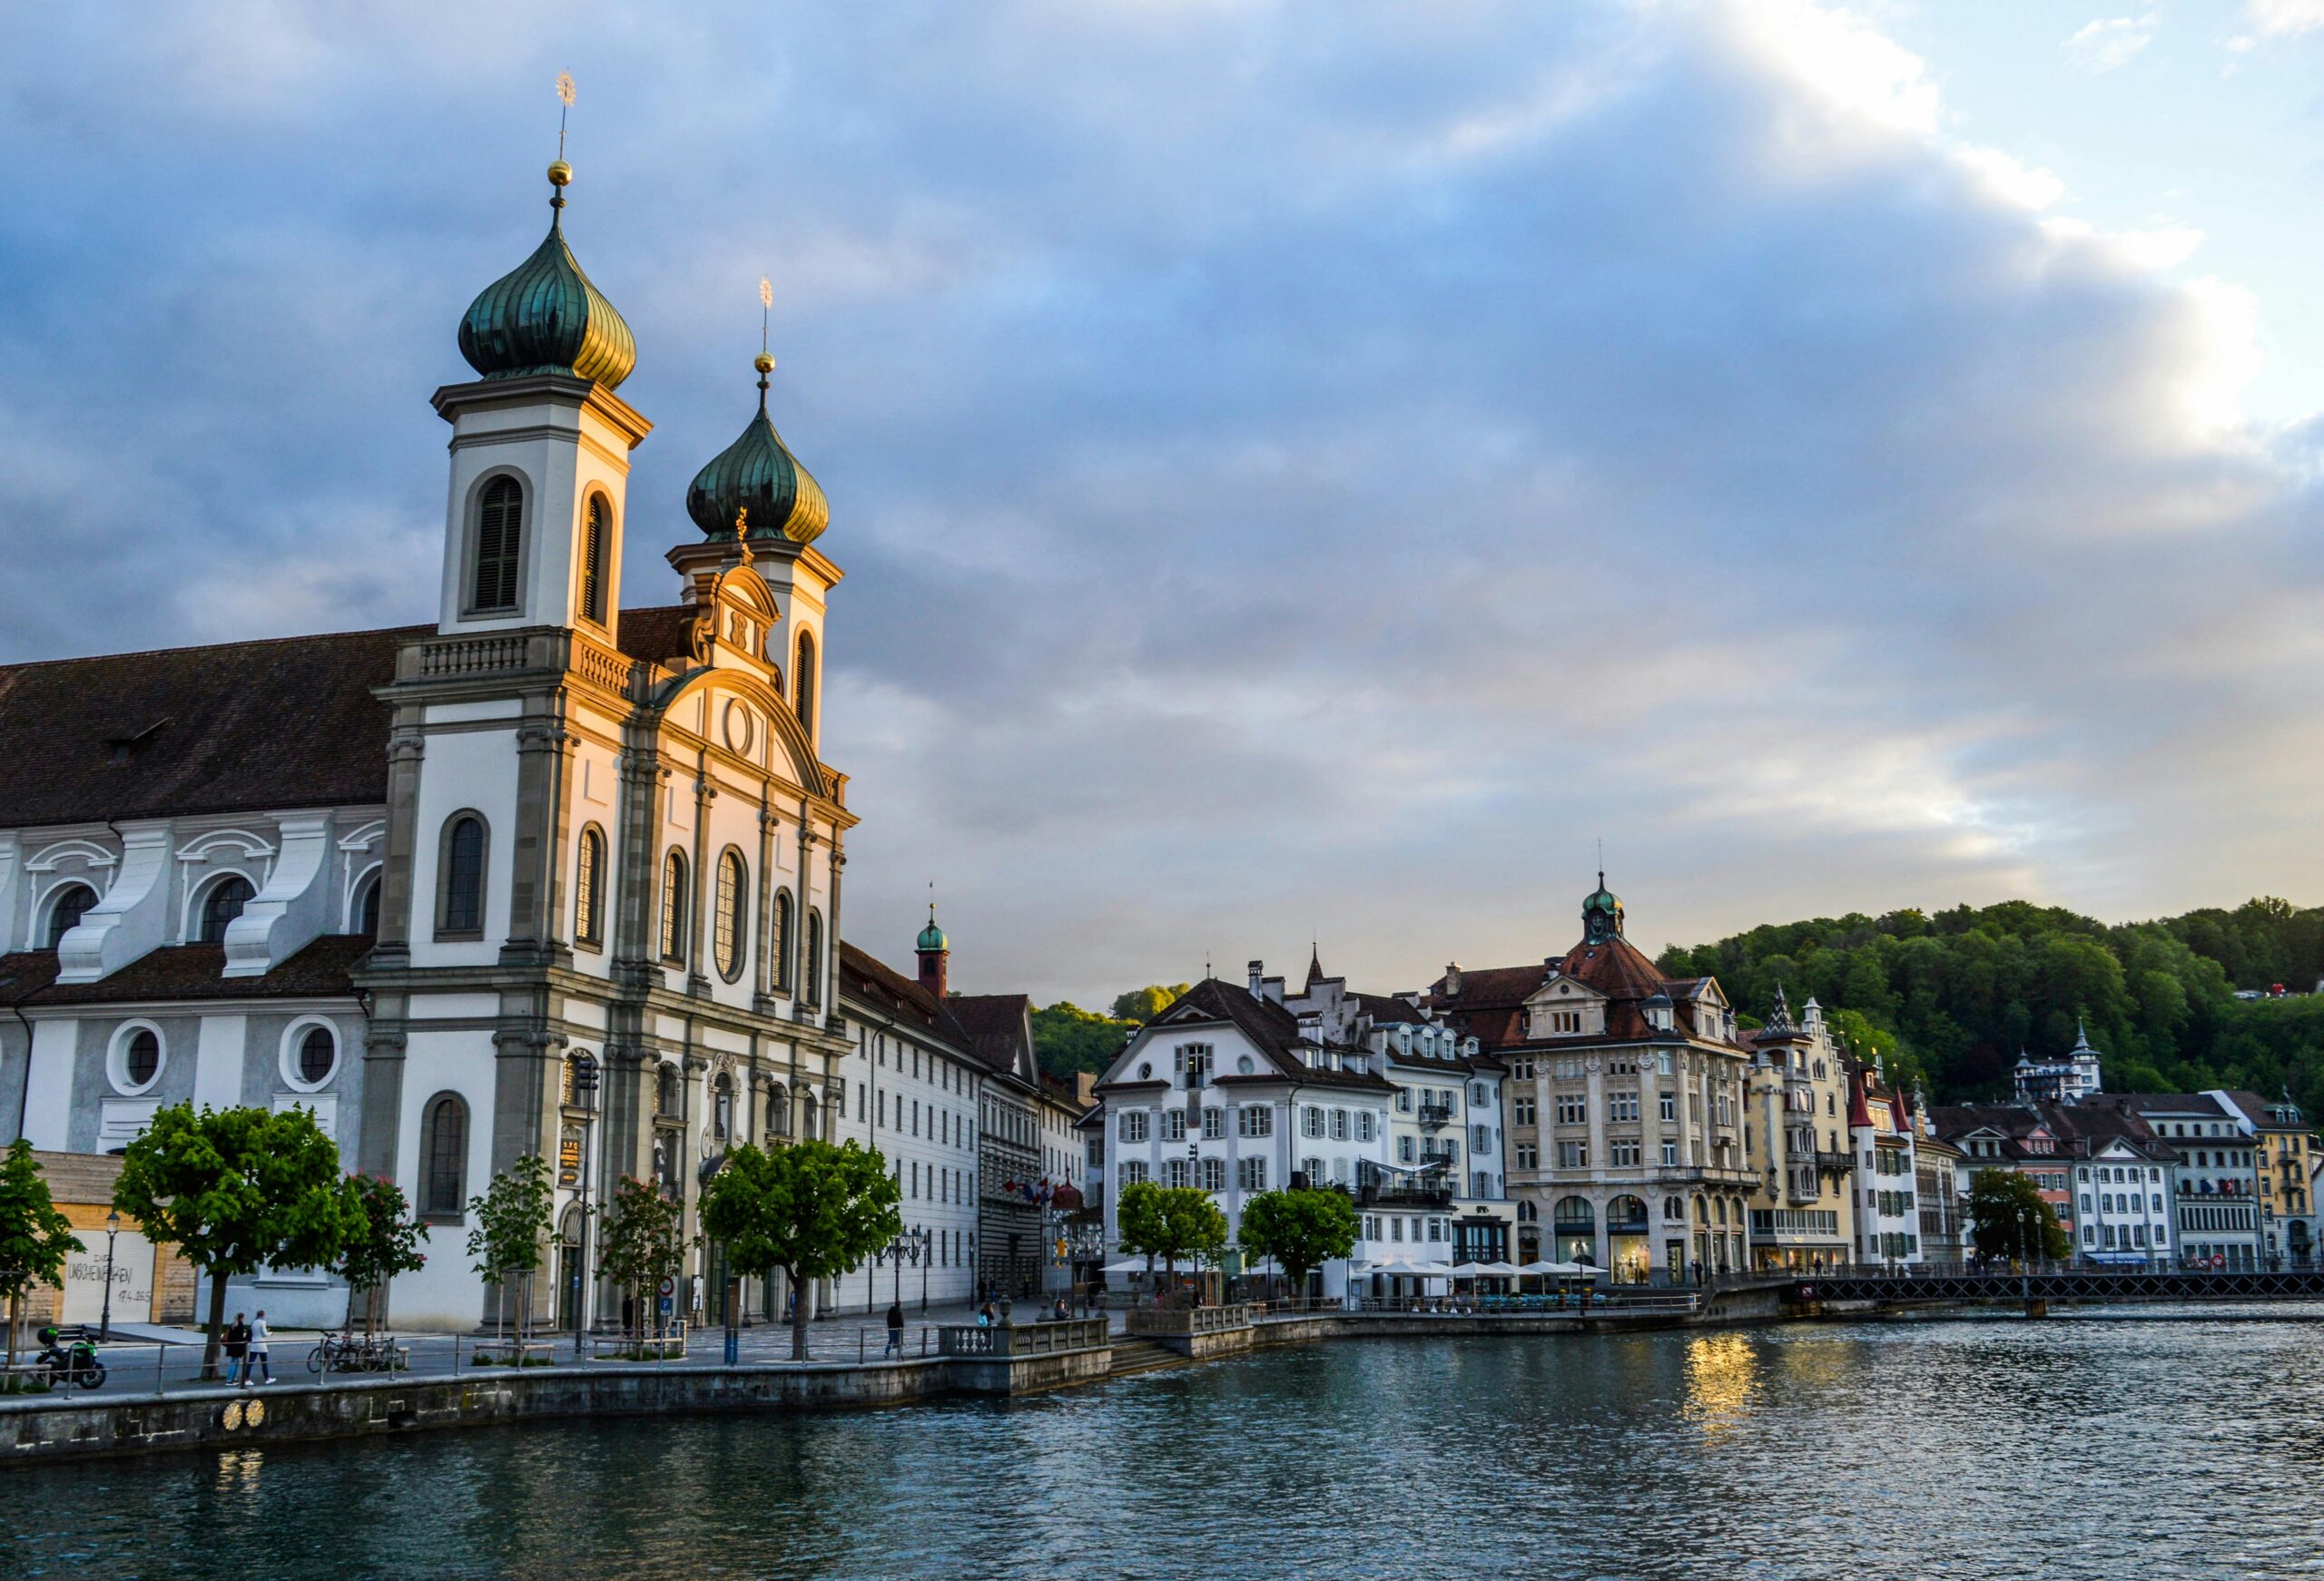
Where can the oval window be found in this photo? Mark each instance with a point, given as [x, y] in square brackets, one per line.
[318, 1054]
[1244, 1065]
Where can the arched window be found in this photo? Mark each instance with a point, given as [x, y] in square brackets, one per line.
[444, 1153]
[814, 962]
[592, 559]
[726, 940]
[810, 1118]
[221, 904]
[65, 912]
[778, 1110]
[781, 943]
[802, 683]
[499, 533]
[589, 888]
[673, 907]
[366, 908]
[460, 910]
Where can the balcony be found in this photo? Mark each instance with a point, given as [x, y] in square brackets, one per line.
[1436, 1116]
[1405, 1194]
[1703, 1175]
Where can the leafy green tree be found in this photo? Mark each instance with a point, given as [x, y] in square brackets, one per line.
[1169, 1222]
[34, 1235]
[1143, 1004]
[1067, 1039]
[1301, 1230]
[2010, 1218]
[644, 1244]
[235, 1190]
[510, 1232]
[383, 1241]
[811, 1209]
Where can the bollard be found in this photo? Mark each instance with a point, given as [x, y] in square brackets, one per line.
[160, 1361]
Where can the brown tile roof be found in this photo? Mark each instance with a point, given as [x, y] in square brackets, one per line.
[1490, 1004]
[187, 971]
[664, 632]
[999, 1026]
[232, 728]
[1269, 1026]
[872, 981]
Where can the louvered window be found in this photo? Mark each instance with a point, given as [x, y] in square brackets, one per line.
[499, 527]
[592, 561]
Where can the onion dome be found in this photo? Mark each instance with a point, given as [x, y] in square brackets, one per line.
[758, 474]
[1601, 913]
[932, 938]
[544, 317]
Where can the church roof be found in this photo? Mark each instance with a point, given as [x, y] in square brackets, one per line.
[187, 971]
[237, 727]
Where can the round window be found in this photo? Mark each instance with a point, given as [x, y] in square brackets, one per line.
[1246, 1065]
[318, 1054]
[136, 1059]
[1145, 1072]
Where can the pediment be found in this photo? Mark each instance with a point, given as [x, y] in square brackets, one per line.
[1563, 991]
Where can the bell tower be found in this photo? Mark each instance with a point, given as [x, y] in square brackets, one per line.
[540, 448]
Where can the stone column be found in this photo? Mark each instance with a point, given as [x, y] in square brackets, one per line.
[407, 746]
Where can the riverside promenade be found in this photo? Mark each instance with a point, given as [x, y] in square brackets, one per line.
[444, 1386]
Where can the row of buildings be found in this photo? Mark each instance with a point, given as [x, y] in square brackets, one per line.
[544, 875]
[1590, 1110]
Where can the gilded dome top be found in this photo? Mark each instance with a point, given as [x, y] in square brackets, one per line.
[544, 317]
[758, 474]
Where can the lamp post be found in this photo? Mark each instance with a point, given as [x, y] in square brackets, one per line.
[113, 1227]
[585, 1093]
[923, 1255]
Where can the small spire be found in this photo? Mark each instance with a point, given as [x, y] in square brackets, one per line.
[560, 174]
[765, 360]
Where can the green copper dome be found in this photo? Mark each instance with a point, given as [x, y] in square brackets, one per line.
[932, 938]
[544, 317]
[759, 475]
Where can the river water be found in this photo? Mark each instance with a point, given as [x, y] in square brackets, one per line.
[2150, 1446]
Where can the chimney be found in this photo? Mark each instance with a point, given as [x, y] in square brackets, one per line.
[1452, 979]
[1258, 972]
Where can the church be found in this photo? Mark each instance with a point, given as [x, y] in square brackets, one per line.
[545, 876]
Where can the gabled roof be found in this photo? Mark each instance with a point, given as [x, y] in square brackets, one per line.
[1000, 1029]
[1265, 1023]
[866, 978]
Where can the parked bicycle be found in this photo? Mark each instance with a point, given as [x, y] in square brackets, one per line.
[352, 1353]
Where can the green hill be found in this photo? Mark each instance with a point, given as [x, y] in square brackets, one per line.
[1962, 991]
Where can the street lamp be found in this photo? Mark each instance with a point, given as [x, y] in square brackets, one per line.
[922, 1254]
[113, 1227]
[585, 1094]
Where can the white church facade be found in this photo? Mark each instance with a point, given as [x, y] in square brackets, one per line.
[545, 875]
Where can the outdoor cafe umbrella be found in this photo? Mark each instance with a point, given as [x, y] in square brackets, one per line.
[1534, 1270]
[1137, 1266]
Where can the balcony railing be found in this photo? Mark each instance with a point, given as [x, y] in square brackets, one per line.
[1707, 1174]
[1435, 1116]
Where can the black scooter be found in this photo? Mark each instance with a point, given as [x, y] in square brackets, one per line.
[75, 1362]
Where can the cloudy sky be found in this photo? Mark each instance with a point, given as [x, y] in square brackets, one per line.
[1303, 469]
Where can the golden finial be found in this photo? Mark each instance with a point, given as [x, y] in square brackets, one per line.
[560, 172]
[742, 521]
[764, 361]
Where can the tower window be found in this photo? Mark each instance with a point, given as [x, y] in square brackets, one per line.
[592, 561]
[802, 683]
[65, 913]
[588, 888]
[781, 942]
[499, 529]
[726, 942]
[815, 957]
[673, 909]
[220, 906]
[461, 909]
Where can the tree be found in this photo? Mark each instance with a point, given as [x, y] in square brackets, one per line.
[511, 1226]
[1169, 1222]
[1143, 1004]
[235, 1190]
[2011, 1219]
[1301, 1230]
[34, 1235]
[811, 1209]
[1067, 1039]
[382, 1240]
[644, 1243]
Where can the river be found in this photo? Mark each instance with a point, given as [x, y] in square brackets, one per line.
[2153, 1445]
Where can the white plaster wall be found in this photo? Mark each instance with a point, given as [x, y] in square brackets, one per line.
[48, 1092]
[219, 1051]
[446, 1294]
[475, 770]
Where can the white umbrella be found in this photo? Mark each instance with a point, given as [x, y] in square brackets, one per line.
[1473, 1269]
[1497, 1270]
[1532, 1268]
[1137, 1267]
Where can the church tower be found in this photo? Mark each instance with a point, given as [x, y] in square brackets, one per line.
[540, 449]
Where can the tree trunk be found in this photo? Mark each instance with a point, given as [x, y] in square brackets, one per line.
[798, 1317]
[217, 1340]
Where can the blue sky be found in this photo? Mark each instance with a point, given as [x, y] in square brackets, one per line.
[1303, 469]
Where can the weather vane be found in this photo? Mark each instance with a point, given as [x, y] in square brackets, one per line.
[766, 307]
[563, 102]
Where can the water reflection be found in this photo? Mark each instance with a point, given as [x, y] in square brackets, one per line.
[1722, 1374]
[2165, 1450]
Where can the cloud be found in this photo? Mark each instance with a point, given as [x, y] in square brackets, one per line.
[2108, 44]
[1300, 470]
[2284, 19]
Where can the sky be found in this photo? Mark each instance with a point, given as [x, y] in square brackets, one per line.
[1305, 471]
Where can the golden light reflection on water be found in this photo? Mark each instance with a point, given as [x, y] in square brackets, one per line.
[1722, 1379]
[238, 1470]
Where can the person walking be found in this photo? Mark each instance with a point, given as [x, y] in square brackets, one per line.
[238, 1340]
[258, 1363]
[895, 1330]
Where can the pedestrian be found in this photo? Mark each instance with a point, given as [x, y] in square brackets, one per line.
[258, 1363]
[238, 1340]
[895, 1330]
[986, 1317]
